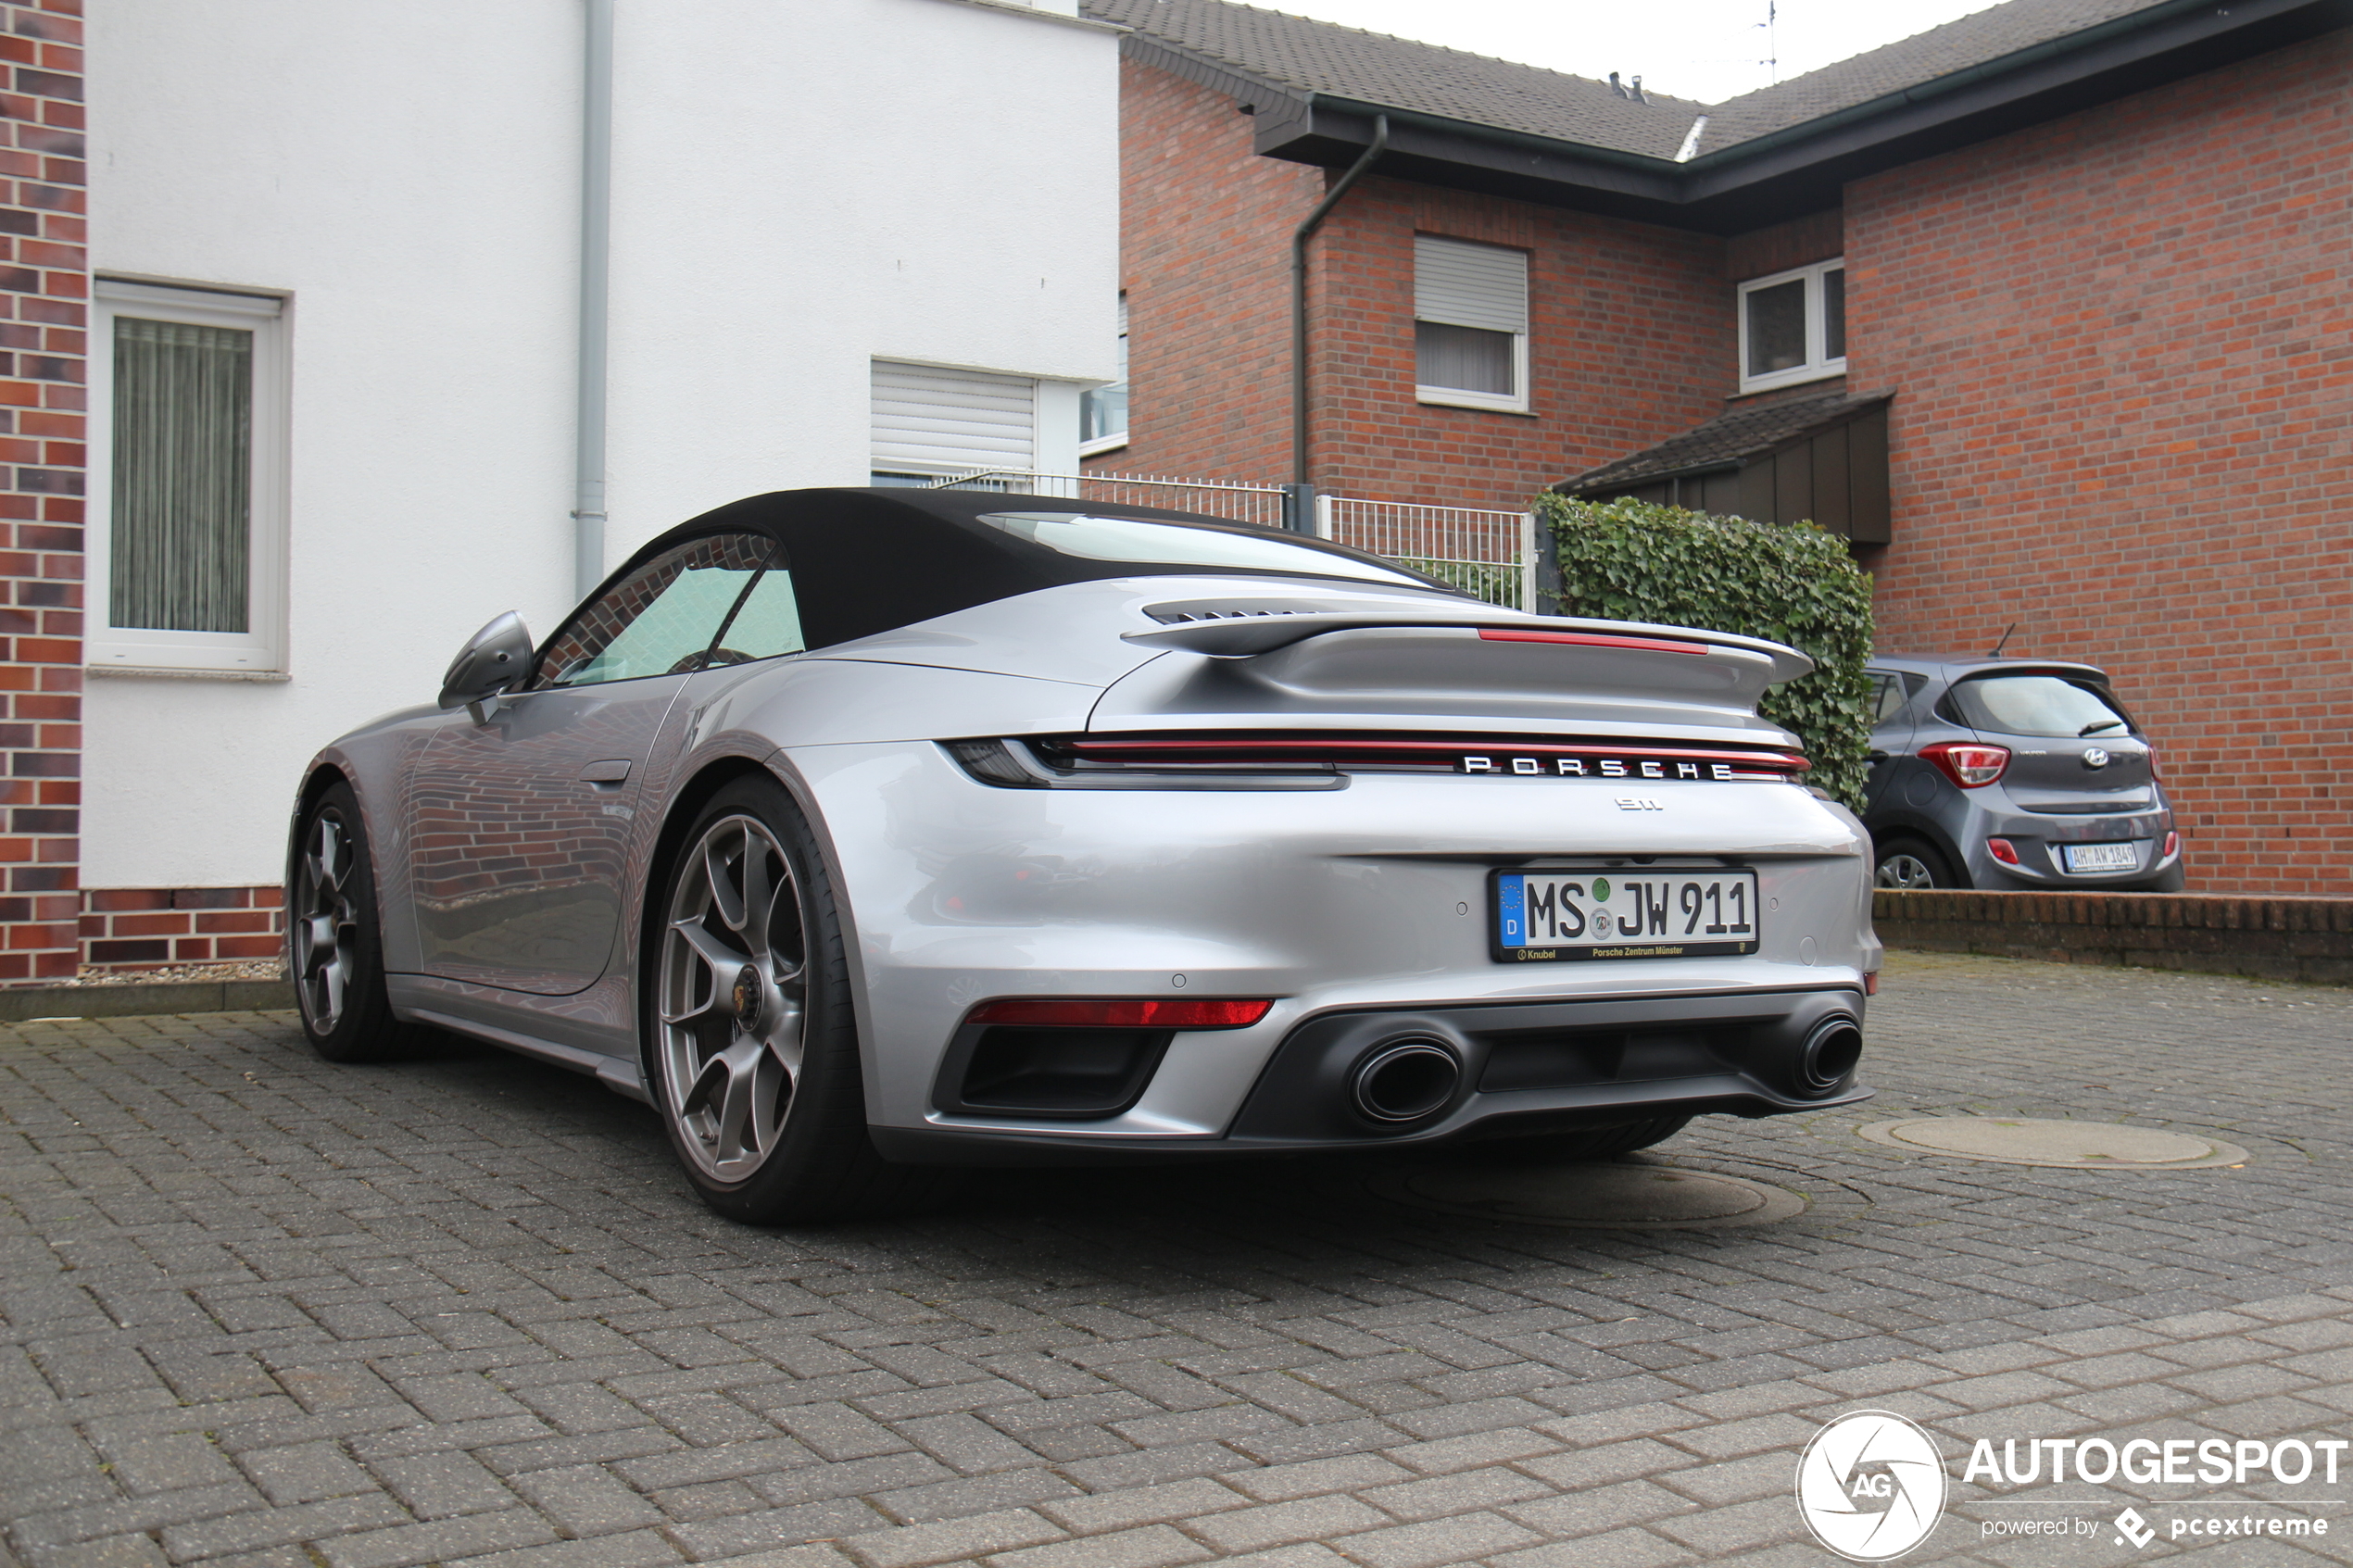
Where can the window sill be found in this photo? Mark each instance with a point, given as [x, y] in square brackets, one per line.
[1096, 448]
[1830, 371]
[1439, 397]
[154, 673]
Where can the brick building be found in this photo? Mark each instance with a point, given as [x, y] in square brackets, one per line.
[2065, 287]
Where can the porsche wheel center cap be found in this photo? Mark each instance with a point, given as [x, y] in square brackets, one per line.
[746, 998]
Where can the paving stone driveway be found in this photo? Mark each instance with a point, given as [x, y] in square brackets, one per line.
[263, 1310]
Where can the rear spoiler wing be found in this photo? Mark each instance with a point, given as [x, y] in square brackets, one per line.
[1247, 636]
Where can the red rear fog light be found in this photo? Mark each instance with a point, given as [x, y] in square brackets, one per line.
[1130, 1013]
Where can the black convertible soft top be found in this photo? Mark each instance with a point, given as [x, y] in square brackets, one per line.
[871, 560]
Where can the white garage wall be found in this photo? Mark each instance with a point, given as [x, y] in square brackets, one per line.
[799, 188]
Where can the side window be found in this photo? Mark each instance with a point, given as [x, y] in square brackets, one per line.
[660, 619]
[766, 625]
[1793, 326]
[1470, 324]
[1887, 698]
[188, 522]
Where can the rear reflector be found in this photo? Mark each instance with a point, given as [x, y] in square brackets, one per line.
[2001, 851]
[1590, 640]
[2172, 846]
[1115, 1012]
[1871, 983]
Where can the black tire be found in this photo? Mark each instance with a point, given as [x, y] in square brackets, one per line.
[1907, 865]
[756, 1071]
[335, 935]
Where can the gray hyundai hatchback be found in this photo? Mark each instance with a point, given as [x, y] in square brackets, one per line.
[2011, 773]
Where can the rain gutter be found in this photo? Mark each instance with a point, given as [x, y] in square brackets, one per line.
[595, 257]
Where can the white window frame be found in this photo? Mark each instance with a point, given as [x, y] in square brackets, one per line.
[261, 649]
[1103, 444]
[1818, 365]
[1517, 402]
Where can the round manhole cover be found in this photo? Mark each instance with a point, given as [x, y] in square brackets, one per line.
[1594, 1196]
[2084, 1145]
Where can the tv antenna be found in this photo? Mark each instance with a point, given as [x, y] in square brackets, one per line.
[1772, 60]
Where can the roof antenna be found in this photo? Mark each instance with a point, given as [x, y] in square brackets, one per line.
[2005, 642]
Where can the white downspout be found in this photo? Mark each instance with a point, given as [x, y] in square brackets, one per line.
[596, 245]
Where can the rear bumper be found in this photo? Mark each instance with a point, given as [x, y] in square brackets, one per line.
[1525, 1068]
[2040, 839]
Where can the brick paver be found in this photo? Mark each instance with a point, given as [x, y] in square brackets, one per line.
[257, 1310]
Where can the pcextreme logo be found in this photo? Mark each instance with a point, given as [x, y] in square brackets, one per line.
[1871, 1485]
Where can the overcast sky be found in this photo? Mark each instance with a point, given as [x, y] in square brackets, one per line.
[1702, 49]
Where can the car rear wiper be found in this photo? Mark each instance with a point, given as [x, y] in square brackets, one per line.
[2094, 729]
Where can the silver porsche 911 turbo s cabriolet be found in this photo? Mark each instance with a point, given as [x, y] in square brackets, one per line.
[869, 834]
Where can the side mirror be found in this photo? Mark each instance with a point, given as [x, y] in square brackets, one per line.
[494, 658]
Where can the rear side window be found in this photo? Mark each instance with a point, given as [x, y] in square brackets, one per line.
[1887, 696]
[2039, 705]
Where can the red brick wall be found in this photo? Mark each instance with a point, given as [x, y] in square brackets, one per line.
[1631, 335]
[2124, 347]
[44, 292]
[1205, 259]
[125, 928]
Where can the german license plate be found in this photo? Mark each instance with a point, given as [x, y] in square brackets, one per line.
[2125, 857]
[1539, 917]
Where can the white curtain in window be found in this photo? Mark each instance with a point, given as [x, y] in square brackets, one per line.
[1461, 284]
[183, 476]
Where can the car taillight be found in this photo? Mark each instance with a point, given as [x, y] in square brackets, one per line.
[1969, 765]
[1113, 1012]
[2155, 776]
[2001, 849]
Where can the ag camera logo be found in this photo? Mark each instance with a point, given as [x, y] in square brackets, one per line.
[1871, 1485]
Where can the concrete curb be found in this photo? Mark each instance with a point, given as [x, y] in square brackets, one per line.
[131, 1001]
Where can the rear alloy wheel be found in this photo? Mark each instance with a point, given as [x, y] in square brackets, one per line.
[334, 948]
[1906, 865]
[755, 1048]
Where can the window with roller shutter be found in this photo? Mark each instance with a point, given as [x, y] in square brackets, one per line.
[1470, 324]
[930, 421]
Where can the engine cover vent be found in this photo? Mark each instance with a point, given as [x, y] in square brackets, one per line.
[1232, 609]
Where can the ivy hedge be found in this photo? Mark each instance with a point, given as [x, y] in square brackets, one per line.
[1789, 583]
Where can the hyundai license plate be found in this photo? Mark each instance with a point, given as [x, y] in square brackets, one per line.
[2123, 857]
[1539, 917]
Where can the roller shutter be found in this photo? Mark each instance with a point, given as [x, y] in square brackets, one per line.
[1470, 285]
[931, 420]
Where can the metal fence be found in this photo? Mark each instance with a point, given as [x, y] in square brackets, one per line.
[1489, 554]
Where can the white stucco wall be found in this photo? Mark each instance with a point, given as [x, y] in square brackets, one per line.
[799, 188]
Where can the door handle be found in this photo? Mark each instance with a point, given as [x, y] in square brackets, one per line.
[607, 775]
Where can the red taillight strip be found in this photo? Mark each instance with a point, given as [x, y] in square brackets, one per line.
[1124, 1012]
[1591, 640]
[1413, 749]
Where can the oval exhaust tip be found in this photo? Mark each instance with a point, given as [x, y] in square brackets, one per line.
[1830, 1054]
[1405, 1081]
